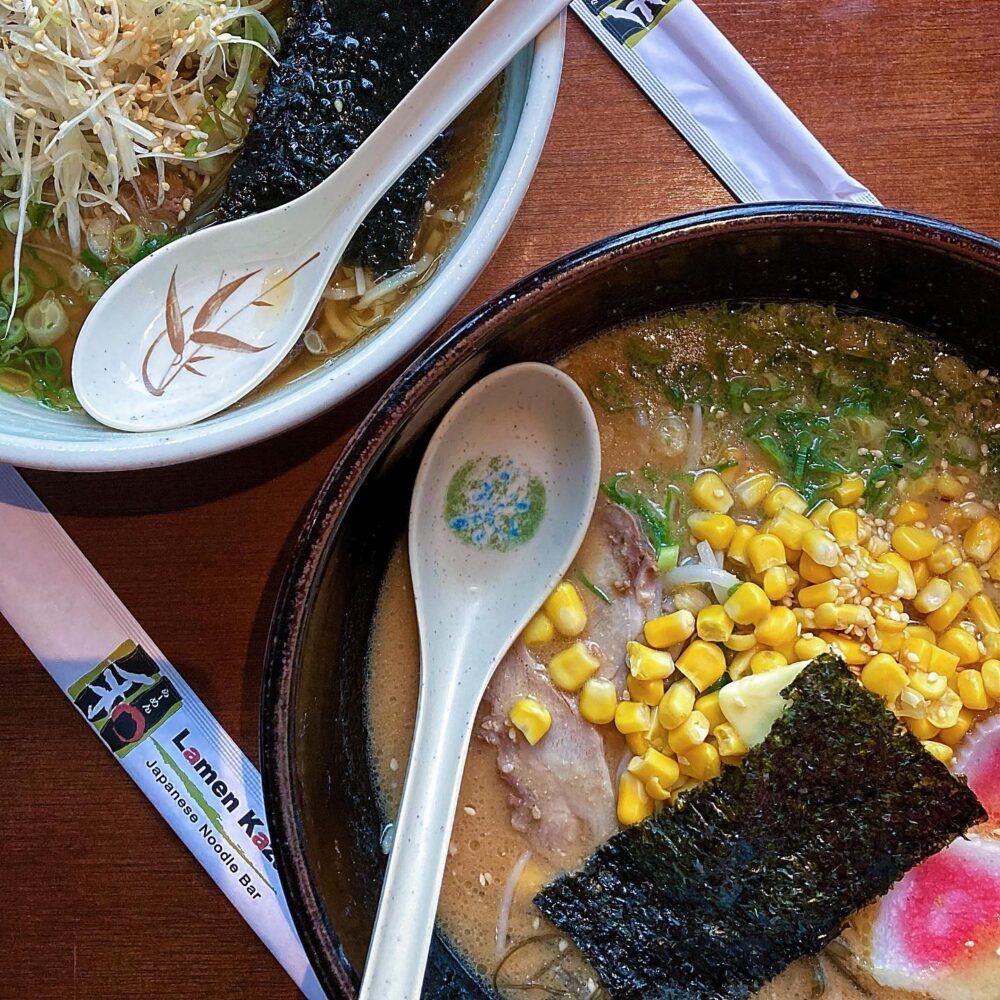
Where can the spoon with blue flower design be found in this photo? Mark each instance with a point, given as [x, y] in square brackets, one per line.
[501, 504]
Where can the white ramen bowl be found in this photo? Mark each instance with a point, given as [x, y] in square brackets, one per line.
[34, 437]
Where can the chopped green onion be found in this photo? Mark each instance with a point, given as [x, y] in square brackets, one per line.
[45, 321]
[11, 215]
[667, 557]
[15, 380]
[93, 289]
[91, 260]
[593, 588]
[609, 392]
[655, 522]
[13, 336]
[25, 289]
[127, 241]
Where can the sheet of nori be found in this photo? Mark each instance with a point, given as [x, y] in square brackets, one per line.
[764, 865]
[368, 54]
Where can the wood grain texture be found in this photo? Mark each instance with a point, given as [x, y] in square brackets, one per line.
[904, 92]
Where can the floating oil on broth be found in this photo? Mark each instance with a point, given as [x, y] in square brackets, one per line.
[820, 400]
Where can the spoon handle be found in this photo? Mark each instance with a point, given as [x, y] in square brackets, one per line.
[479, 55]
[397, 955]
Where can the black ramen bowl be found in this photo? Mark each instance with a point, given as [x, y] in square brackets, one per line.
[320, 795]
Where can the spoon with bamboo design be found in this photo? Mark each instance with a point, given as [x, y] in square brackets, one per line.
[197, 325]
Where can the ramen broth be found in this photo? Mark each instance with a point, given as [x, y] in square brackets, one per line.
[53, 270]
[643, 401]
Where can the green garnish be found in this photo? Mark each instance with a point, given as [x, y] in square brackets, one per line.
[656, 522]
[592, 587]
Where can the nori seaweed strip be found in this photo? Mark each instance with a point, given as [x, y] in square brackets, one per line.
[765, 864]
[362, 56]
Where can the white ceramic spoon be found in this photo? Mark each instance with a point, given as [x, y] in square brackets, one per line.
[521, 442]
[201, 322]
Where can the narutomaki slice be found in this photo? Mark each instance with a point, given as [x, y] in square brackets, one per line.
[937, 931]
[979, 761]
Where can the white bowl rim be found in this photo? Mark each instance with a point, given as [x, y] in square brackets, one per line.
[283, 411]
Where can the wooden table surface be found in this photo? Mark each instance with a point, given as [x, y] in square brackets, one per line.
[905, 93]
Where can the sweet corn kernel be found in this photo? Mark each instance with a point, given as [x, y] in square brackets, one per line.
[531, 718]
[766, 660]
[993, 569]
[703, 663]
[714, 625]
[944, 712]
[738, 546]
[821, 547]
[692, 731]
[700, 762]
[655, 766]
[751, 491]
[972, 690]
[565, 607]
[747, 605]
[949, 487]
[711, 493]
[777, 583]
[825, 616]
[953, 735]
[906, 583]
[716, 529]
[708, 705]
[961, 643]
[668, 630]
[982, 540]
[809, 649]
[818, 593]
[677, 704]
[730, 742]
[850, 650]
[598, 701]
[777, 627]
[812, 572]
[539, 630]
[632, 717]
[882, 675]
[820, 514]
[991, 642]
[930, 685]
[638, 743]
[921, 573]
[966, 578]
[634, 803]
[934, 593]
[784, 498]
[913, 543]
[843, 525]
[922, 486]
[883, 577]
[791, 527]
[571, 668]
[940, 620]
[944, 558]
[647, 664]
[939, 751]
[849, 489]
[740, 663]
[886, 624]
[766, 551]
[648, 692]
[910, 512]
[922, 729]
[991, 678]
[915, 631]
[984, 613]
[740, 642]
[854, 615]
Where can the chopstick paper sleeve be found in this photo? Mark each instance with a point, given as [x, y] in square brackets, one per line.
[148, 718]
[737, 124]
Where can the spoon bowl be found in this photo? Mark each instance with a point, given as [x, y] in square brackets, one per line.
[202, 322]
[502, 501]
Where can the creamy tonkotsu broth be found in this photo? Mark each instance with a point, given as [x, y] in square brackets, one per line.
[835, 406]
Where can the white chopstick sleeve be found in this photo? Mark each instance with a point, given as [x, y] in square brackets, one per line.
[139, 706]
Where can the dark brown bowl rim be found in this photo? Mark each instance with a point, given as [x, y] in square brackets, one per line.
[373, 435]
